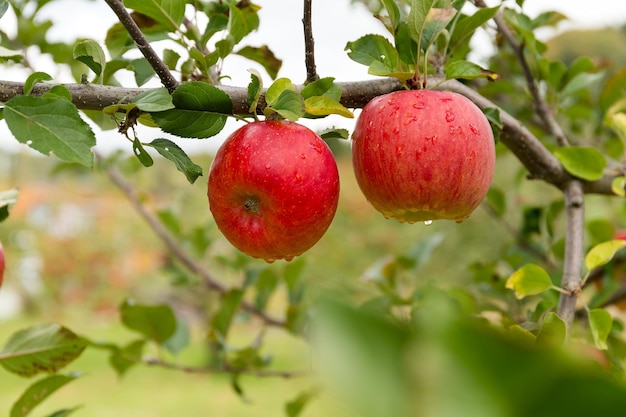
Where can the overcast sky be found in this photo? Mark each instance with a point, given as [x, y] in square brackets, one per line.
[335, 22]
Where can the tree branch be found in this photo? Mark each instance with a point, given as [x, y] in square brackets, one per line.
[538, 160]
[309, 44]
[572, 264]
[541, 107]
[177, 251]
[226, 369]
[164, 74]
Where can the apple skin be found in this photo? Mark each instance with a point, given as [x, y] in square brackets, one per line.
[423, 155]
[273, 189]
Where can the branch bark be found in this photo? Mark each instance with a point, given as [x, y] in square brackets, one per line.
[309, 44]
[164, 74]
[538, 160]
[177, 251]
[574, 252]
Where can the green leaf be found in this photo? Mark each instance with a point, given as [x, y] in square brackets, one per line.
[41, 348]
[38, 392]
[141, 154]
[8, 198]
[418, 17]
[580, 81]
[180, 339]
[33, 79]
[553, 331]
[174, 153]
[4, 6]
[64, 412]
[618, 186]
[154, 100]
[322, 87]
[293, 278]
[289, 104]
[600, 322]
[123, 359]
[393, 11]
[7, 55]
[155, 322]
[467, 25]
[335, 133]
[264, 56]
[276, 89]
[266, 283]
[295, 407]
[142, 69]
[582, 162]
[467, 70]
[255, 88]
[50, 125]
[223, 318]
[530, 279]
[376, 52]
[58, 92]
[602, 253]
[201, 111]
[90, 53]
[169, 13]
[242, 20]
[323, 106]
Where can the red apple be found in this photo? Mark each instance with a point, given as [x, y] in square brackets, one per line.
[620, 234]
[273, 189]
[423, 155]
[1, 264]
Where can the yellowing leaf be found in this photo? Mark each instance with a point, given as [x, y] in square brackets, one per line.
[602, 253]
[529, 280]
[618, 186]
[323, 106]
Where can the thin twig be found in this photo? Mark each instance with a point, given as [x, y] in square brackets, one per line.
[541, 107]
[572, 263]
[309, 44]
[167, 79]
[261, 373]
[177, 251]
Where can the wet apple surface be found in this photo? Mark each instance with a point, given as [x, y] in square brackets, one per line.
[423, 155]
[273, 189]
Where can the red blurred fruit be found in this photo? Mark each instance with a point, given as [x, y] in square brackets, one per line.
[423, 155]
[273, 189]
[620, 234]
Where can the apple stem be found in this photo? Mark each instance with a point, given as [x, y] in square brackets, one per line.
[251, 204]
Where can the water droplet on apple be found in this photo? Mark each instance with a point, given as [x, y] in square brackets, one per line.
[449, 116]
[317, 146]
[428, 222]
[396, 130]
[302, 156]
[298, 178]
[419, 105]
[267, 166]
[474, 129]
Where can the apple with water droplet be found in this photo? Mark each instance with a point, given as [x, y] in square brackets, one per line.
[273, 189]
[423, 155]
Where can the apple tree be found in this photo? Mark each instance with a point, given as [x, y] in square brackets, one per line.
[537, 145]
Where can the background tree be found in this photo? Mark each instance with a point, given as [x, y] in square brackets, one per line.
[508, 313]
